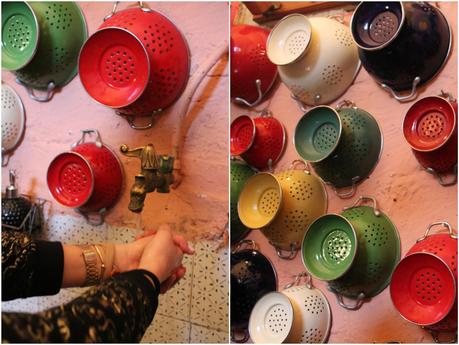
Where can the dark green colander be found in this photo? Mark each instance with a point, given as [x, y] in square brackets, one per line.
[378, 253]
[354, 157]
[19, 35]
[240, 172]
[61, 33]
[329, 247]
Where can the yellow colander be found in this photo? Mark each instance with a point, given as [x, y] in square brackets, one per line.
[304, 199]
[259, 201]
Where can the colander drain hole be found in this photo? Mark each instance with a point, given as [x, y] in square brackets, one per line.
[325, 137]
[383, 27]
[17, 32]
[118, 66]
[74, 180]
[427, 286]
[269, 202]
[276, 319]
[312, 336]
[314, 304]
[337, 246]
[432, 125]
[295, 43]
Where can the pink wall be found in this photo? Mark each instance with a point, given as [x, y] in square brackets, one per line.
[408, 195]
[199, 205]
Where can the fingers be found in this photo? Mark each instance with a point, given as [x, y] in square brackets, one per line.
[183, 244]
[170, 282]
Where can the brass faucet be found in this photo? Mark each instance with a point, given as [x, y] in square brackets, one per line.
[155, 174]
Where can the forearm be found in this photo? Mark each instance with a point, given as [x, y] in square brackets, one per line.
[118, 310]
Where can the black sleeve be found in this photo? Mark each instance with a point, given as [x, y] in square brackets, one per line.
[30, 268]
[118, 310]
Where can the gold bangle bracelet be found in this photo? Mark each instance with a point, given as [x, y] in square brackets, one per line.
[102, 263]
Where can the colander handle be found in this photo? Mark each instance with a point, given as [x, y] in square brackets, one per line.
[85, 132]
[115, 6]
[300, 103]
[340, 193]
[447, 95]
[45, 98]
[441, 179]
[361, 200]
[94, 218]
[5, 158]
[241, 244]
[444, 224]
[290, 256]
[241, 100]
[306, 275]
[412, 95]
[240, 340]
[131, 121]
[345, 103]
[355, 306]
[304, 166]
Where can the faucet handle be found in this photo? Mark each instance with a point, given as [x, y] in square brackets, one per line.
[166, 164]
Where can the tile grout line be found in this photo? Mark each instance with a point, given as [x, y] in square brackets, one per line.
[191, 292]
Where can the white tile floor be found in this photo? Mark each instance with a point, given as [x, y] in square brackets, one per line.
[195, 310]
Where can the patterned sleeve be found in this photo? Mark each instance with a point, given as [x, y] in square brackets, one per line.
[29, 267]
[118, 310]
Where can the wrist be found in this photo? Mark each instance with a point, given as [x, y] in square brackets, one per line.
[119, 258]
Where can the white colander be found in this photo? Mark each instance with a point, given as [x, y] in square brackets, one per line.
[298, 314]
[317, 67]
[13, 121]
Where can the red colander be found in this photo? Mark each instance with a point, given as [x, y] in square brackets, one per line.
[430, 128]
[242, 135]
[268, 144]
[169, 60]
[442, 245]
[114, 67]
[423, 288]
[88, 178]
[252, 73]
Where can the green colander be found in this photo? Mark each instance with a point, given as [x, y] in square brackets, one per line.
[378, 253]
[61, 33]
[240, 172]
[19, 35]
[317, 134]
[356, 154]
[329, 247]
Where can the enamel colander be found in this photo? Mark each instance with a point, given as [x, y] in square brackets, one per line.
[377, 255]
[41, 42]
[316, 57]
[252, 276]
[298, 314]
[259, 200]
[329, 247]
[242, 134]
[240, 172]
[13, 121]
[342, 152]
[304, 199]
[423, 289]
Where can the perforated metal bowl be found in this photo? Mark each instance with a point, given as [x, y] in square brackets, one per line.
[240, 172]
[401, 44]
[317, 59]
[13, 121]
[354, 157]
[304, 199]
[61, 33]
[252, 276]
[377, 255]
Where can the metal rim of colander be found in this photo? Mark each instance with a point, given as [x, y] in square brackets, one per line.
[123, 182]
[37, 28]
[146, 55]
[280, 199]
[329, 313]
[22, 113]
[453, 279]
[281, 22]
[450, 134]
[354, 254]
[183, 38]
[254, 129]
[351, 23]
[287, 303]
[90, 170]
[339, 133]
